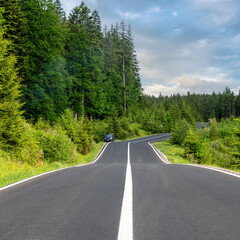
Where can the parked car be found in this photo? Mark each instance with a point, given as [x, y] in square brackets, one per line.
[109, 137]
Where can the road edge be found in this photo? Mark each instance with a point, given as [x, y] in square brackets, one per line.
[216, 169]
[162, 157]
[57, 170]
[213, 168]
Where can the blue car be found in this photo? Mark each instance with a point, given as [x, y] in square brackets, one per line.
[109, 137]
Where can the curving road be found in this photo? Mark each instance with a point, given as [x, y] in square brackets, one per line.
[152, 201]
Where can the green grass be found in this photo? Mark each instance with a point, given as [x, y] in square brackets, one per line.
[174, 153]
[12, 171]
[92, 155]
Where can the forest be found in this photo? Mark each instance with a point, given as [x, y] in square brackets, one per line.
[66, 81]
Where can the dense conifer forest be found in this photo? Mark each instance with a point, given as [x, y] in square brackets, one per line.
[66, 81]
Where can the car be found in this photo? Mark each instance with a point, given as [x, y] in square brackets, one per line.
[109, 137]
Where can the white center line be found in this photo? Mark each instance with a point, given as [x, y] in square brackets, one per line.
[125, 231]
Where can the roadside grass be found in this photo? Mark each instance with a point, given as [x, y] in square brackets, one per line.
[13, 171]
[92, 155]
[174, 153]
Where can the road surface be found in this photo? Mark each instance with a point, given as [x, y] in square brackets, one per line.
[129, 193]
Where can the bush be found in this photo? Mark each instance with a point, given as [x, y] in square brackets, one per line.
[214, 131]
[29, 151]
[191, 144]
[56, 145]
[80, 132]
[82, 138]
[179, 134]
[203, 153]
[100, 130]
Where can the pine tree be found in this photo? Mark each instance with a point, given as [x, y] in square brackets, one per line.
[113, 82]
[237, 104]
[85, 62]
[11, 121]
[15, 24]
[45, 41]
[60, 11]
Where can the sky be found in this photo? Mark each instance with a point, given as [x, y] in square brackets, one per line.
[181, 45]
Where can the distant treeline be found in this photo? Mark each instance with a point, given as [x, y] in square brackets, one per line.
[203, 106]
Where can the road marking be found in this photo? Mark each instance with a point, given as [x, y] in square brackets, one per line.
[42, 174]
[158, 153]
[82, 165]
[28, 179]
[214, 169]
[125, 231]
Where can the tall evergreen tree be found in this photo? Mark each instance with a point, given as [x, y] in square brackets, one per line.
[11, 121]
[45, 41]
[60, 11]
[85, 61]
[15, 24]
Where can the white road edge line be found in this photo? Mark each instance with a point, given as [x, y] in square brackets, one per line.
[213, 169]
[158, 153]
[42, 174]
[125, 231]
[82, 165]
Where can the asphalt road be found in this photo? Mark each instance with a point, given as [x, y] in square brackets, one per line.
[85, 203]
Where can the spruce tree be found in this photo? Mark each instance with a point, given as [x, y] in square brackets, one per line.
[11, 121]
[85, 62]
[15, 24]
[45, 41]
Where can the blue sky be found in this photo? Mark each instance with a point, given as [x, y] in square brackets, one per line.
[182, 45]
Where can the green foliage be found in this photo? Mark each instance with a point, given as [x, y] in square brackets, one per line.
[100, 129]
[56, 145]
[80, 132]
[15, 135]
[214, 131]
[44, 85]
[15, 26]
[191, 144]
[180, 132]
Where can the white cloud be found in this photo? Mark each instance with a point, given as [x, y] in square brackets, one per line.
[137, 15]
[128, 15]
[153, 10]
[220, 11]
[194, 84]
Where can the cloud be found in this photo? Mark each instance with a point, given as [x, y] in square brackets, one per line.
[129, 15]
[193, 84]
[220, 11]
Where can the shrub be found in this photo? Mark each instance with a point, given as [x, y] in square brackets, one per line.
[214, 131]
[82, 138]
[56, 145]
[191, 143]
[203, 153]
[100, 130]
[180, 132]
[29, 151]
[80, 132]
